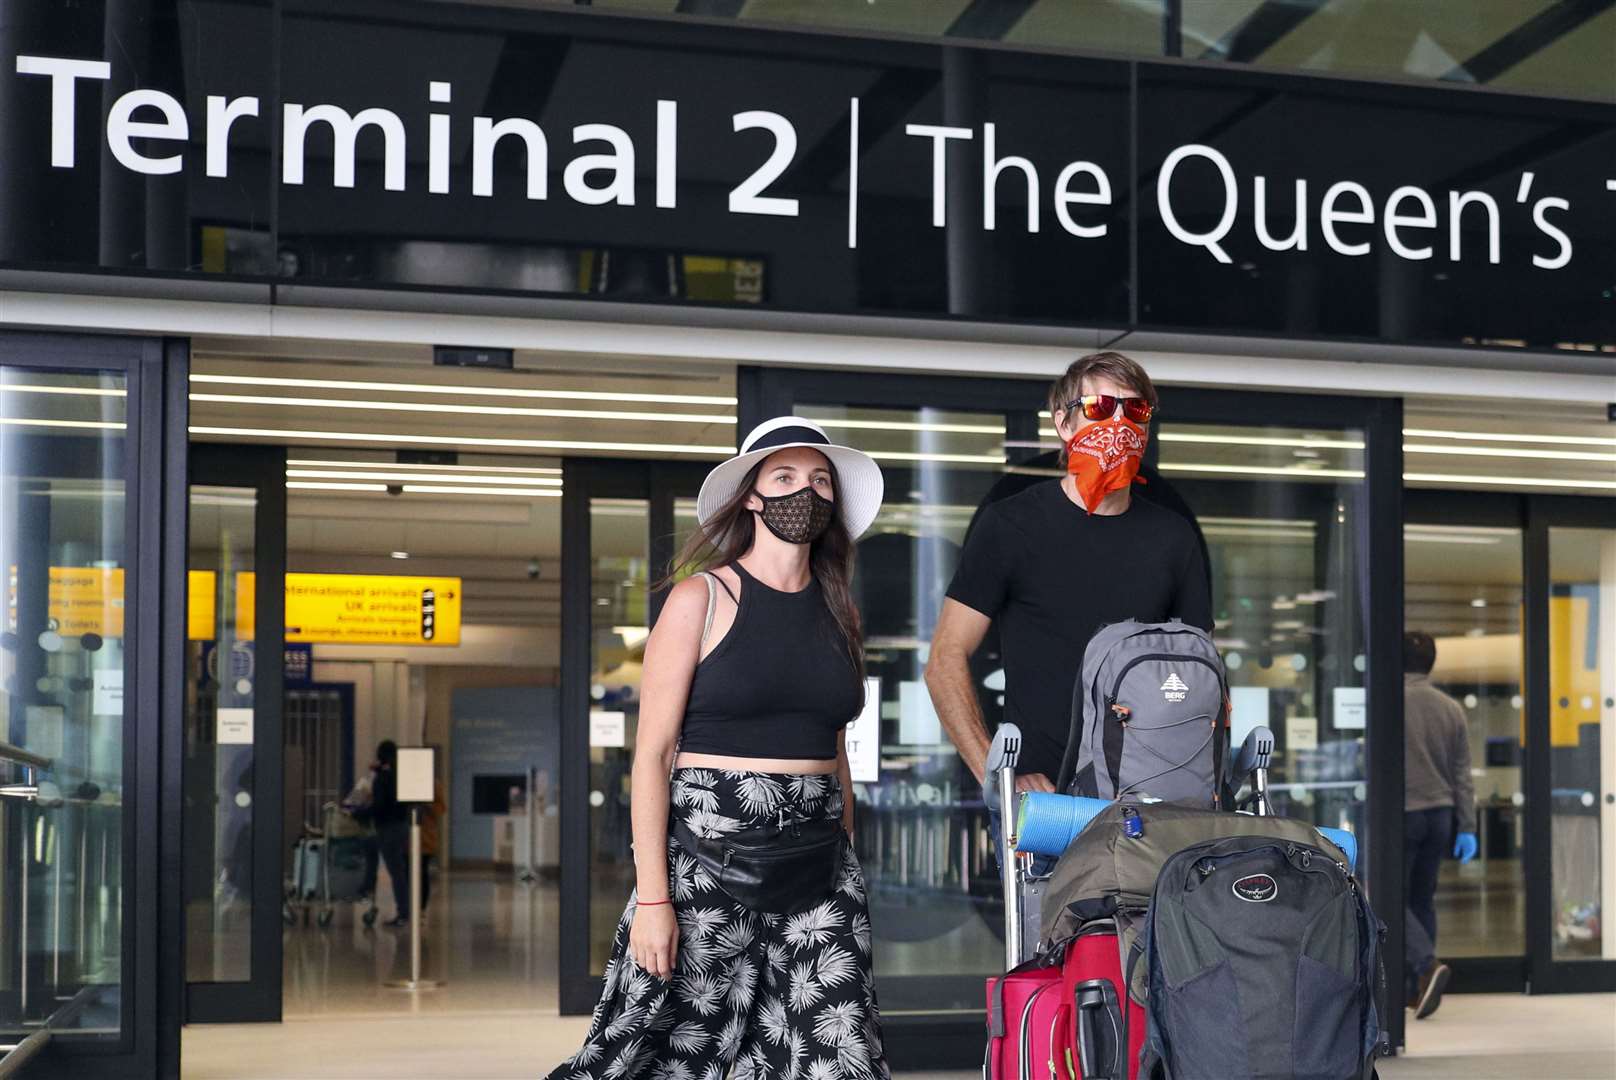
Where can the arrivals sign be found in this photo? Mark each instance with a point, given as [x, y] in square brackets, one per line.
[560, 153]
[373, 609]
[340, 609]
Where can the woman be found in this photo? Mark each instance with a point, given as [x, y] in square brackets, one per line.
[753, 670]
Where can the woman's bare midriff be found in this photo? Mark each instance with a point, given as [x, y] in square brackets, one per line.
[752, 764]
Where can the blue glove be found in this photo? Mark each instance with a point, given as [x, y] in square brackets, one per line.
[1464, 847]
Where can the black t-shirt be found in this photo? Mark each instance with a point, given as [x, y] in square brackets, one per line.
[1052, 575]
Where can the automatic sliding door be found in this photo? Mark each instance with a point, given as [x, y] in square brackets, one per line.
[233, 785]
[1582, 740]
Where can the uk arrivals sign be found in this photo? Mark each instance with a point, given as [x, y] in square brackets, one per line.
[1201, 194]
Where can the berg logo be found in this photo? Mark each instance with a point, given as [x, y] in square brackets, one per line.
[1256, 888]
[1174, 689]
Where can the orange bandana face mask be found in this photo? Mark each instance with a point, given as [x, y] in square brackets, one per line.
[1105, 457]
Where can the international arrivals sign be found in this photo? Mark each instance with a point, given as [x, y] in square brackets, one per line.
[551, 153]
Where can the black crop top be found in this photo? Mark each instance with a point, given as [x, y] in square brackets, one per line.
[780, 684]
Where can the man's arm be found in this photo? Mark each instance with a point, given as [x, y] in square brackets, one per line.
[1464, 785]
[959, 633]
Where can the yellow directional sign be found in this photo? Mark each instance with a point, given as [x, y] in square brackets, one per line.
[372, 609]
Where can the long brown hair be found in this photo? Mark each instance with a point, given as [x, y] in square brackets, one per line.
[729, 534]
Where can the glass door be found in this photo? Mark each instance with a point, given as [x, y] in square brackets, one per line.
[1572, 717]
[621, 524]
[88, 429]
[233, 792]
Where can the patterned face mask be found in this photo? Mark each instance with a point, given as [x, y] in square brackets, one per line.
[1105, 457]
[798, 518]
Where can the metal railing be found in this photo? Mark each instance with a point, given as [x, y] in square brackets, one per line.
[23, 757]
[22, 1053]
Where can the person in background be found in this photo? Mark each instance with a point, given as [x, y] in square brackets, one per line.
[392, 821]
[1438, 813]
[431, 841]
[1056, 562]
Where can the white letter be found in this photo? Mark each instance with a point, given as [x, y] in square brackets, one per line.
[1231, 199]
[1100, 196]
[1560, 237]
[120, 129]
[1456, 204]
[990, 179]
[1298, 237]
[437, 143]
[939, 137]
[667, 154]
[344, 133]
[221, 114]
[62, 74]
[620, 161]
[748, 197]
[485, 135]
[1329, 216]
[1395, 221]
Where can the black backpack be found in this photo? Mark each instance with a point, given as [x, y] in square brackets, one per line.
[1263, 963]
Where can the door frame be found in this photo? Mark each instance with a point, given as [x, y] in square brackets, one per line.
[1545, 974]
[933, 1040]
[156, 374]
[262, 468]
[660, 483]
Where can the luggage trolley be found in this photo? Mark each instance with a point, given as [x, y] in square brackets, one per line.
[332, 865]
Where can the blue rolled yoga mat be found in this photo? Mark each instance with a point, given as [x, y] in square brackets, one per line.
[1047, 823]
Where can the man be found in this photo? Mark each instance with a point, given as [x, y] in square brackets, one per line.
[1056, 562]
[1439, 801]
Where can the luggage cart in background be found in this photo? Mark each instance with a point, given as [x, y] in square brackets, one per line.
[332, 865]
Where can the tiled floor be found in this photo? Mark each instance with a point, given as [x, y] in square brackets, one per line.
[1474, 1037]
[494, 942]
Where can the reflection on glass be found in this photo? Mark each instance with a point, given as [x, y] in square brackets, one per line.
[1280, 510]
[1463, 587]
[935, 901]
[619, 560]
[61, 700]
[218, 816]
[1582, 739]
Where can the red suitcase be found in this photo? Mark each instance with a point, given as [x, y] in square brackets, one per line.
[1029, 1026]
[1092, 987]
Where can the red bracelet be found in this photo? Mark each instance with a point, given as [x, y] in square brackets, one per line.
[650, 903]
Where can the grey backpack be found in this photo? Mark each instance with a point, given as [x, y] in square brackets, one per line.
[1149, 716]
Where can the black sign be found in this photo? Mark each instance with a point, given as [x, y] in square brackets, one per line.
[451, 147]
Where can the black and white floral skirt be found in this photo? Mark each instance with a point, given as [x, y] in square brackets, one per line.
[753, 996]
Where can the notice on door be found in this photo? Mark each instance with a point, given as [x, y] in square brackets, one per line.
[234, 727]
[106, 695]
[864, 737]
[372, 609]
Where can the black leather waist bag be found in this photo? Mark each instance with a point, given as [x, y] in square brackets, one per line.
[775, 870]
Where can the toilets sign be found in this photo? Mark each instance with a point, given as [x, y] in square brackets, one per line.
[1208, 200]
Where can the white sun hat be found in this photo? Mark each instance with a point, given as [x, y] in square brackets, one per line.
[859, 485]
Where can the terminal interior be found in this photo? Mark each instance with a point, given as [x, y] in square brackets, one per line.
[394, 466]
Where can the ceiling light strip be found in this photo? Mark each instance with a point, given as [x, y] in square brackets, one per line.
[1505, 452]
[464, 440]
[93, 425]
[305, 485]
[1508, 481]
[66, 391]
[534, 493]
[1259, 470]
[902, 425]
[1502, 436]
[461, 409]
[463, 391]
[547, 470]
[422, 478]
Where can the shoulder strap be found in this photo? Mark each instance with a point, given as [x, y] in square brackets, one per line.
[712, 606]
